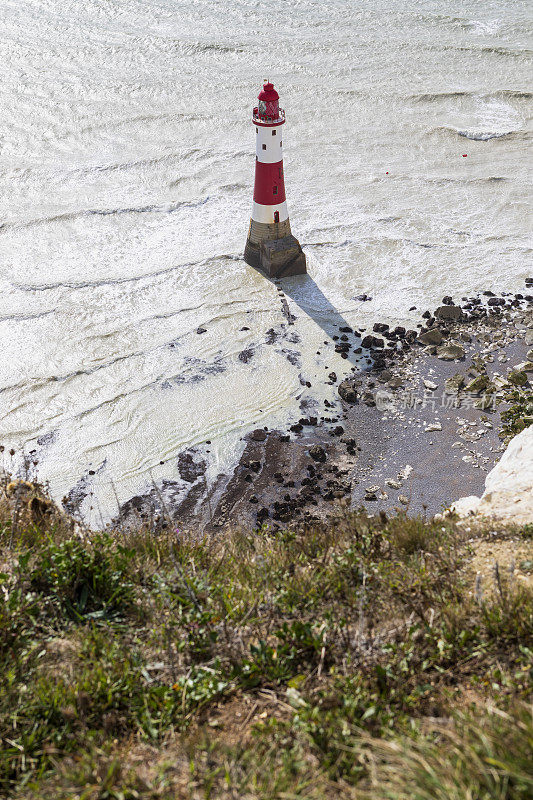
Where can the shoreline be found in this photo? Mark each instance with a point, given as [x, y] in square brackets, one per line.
[407, 433]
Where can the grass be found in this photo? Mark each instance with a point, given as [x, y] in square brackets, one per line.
[349, 660]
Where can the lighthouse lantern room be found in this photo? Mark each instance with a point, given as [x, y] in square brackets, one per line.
[270, 246]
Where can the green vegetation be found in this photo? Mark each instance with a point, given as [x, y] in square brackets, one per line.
[357, 659]
[519, 412]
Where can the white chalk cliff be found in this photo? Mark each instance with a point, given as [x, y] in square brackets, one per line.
[508, 487]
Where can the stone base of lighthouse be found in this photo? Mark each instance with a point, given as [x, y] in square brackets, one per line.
[274, 250]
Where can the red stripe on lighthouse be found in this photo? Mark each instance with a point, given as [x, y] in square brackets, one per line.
[269, 189]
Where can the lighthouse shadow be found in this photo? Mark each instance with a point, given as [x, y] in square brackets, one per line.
[308, 296]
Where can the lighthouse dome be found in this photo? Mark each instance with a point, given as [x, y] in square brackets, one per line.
[268, 101]
[268, 93]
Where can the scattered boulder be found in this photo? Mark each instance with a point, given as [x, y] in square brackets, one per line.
[201, 330]
[318, 453]
[517, 378]
[453, 384]
[259, 435]
[448, 312]
[478, 384]
[432, 336]
[452, 351]
[188, 468]
[347, 391]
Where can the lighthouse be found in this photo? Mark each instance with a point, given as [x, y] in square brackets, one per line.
[270, 245]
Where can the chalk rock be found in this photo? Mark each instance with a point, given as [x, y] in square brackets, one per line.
[508, 487]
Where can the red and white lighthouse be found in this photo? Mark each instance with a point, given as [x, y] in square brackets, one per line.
[270, 246]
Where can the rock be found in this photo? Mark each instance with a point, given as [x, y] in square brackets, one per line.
[450, 352]
[372, 342]
[255, 466]
[318, 453]
[430, 385]
[530, 355]
[526, 366]
[259, 435]
[337, 431]
[529, 337]
[466, 506]
[393, 484]
[201, 330]
[509, 486]
[448, 312]
[395, 383]
[403, 499]
[517, 378]
[432, 336]
[188, 468]
[496, 301]
[435, 426]
[347, 391]
[333, 377]
[369, 399]
[465, 337]
[453, 384]
[478, 384]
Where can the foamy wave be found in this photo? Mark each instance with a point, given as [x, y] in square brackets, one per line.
[477, 136]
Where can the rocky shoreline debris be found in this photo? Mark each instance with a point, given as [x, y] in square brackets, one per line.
[441, 380]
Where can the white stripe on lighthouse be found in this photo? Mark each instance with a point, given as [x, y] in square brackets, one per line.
[262, 213]
[274, 149]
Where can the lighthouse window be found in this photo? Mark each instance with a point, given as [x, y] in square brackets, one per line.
[280, 143]
[275, 190]
[264, 147]
[274, 133]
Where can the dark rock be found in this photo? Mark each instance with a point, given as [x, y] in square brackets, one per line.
[496, 301]
[296, 428]
[255, 466]
[318, 453]
[431, 336]
[253, 499]
[448, 312]
[333, 376]
[338, 431]
[201, 330]
[347, 391]
[189, 469]
[259, 435]
[246, 355]
[447, 301]
[346, 329]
